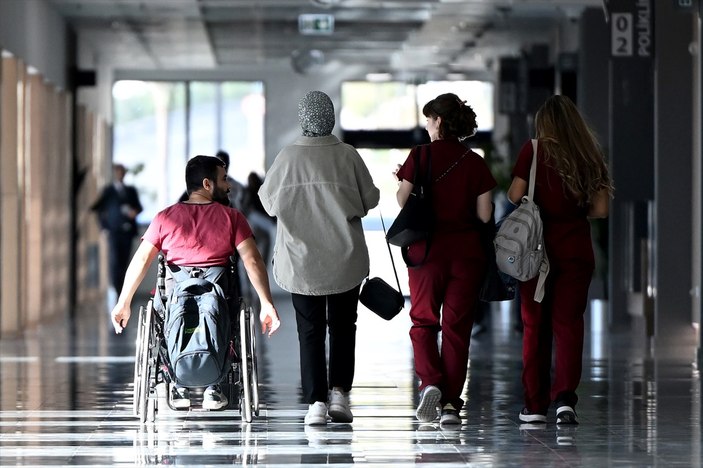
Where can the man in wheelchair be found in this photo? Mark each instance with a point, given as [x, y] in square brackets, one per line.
[202, 231]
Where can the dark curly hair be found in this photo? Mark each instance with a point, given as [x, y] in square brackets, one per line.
[458, 119]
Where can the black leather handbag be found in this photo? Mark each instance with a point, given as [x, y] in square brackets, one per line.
[415, 222]
[380, 297]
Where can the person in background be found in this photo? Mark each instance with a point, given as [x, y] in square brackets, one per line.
[199, 232]
[319, 189]
[117, 208]
[451, 276]
[572, 185]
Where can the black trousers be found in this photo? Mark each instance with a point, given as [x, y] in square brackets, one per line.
[120, 245]
[314, 315]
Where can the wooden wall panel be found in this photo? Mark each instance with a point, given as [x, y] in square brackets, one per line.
[10, 302]
[36, 195]
[35, 198]
[63, 201]
[34, 218]
[22, 144]
[89, 150]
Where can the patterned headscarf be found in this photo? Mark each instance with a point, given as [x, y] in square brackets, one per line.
[316, 114]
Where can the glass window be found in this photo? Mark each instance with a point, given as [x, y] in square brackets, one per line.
[243, 109]
[398, 106]
[378, 106]
[204, 127]
[477, 94]
[150, 136]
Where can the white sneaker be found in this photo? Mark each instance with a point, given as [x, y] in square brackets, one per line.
[213, 399]
[180, 397]
[429, 403]
[317, 414]
[526, 416]
[339, 407]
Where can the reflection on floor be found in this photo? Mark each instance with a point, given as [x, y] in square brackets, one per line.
[65, 399]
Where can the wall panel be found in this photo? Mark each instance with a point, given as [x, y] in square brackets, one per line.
[10, 302]
[33, 212]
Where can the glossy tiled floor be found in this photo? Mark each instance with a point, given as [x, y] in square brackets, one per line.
[65, 399]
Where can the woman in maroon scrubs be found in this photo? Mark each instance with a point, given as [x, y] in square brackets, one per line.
[450, 277]
[572, 185]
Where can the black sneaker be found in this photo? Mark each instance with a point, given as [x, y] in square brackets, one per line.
[526, 416]
[449, 415]
[566, 414]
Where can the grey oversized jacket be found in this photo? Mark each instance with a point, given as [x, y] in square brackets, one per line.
[319, 189]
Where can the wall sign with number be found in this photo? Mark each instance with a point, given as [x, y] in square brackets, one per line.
[621, 34]
[631, 28]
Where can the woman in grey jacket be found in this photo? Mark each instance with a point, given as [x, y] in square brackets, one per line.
[319, 189]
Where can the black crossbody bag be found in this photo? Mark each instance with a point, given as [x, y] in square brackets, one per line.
[416, 219]
[380, 297]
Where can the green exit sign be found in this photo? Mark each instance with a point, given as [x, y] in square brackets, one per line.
[312, 24]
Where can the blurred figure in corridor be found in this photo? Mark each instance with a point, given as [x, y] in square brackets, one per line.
[117, 209]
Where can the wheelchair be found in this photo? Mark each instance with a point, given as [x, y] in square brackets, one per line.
[152, 366]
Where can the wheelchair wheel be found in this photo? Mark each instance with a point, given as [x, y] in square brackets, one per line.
[252, 361]
[138, 361]
[144, 365]
[245, 378]
[151, 404]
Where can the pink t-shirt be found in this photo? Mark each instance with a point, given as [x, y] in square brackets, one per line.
[198, 235]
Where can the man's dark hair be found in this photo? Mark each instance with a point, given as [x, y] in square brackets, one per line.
[201, 167]
[224, 156]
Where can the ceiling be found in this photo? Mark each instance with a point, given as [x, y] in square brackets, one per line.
[399, 36]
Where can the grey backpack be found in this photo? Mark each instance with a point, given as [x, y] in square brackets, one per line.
[197, 332]
[519, 242]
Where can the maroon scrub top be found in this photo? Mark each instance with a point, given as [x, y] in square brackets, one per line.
[454, 196]
[567, 231]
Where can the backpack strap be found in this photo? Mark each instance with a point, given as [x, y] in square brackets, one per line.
[544, 266]
[533, 172]
[542, 279]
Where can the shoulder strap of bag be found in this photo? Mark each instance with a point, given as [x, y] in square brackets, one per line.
[452, 166]
[533, 172]
[544, 267]
[390, 254]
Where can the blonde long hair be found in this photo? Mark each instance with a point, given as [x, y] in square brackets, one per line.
[571, 148]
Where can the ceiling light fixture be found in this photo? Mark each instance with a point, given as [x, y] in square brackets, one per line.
[325, 3]
[379, 77]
